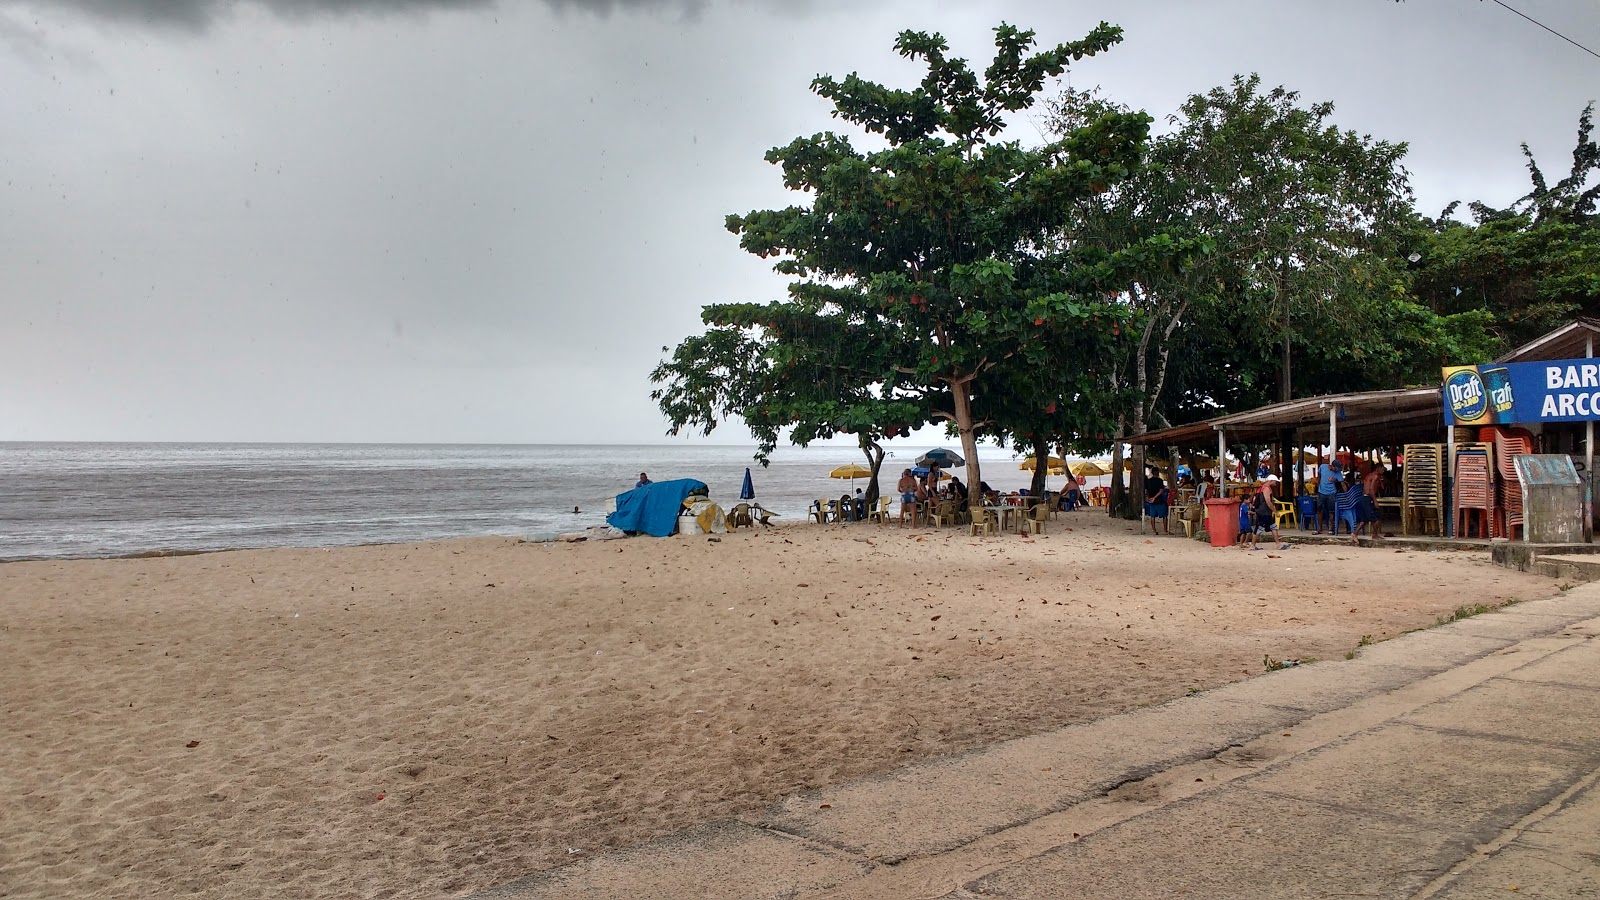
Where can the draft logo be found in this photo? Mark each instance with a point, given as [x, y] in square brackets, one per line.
[1469, 401]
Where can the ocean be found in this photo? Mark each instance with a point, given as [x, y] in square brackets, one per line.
[89, 500]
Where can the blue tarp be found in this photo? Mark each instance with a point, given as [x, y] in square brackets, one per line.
[653, 509]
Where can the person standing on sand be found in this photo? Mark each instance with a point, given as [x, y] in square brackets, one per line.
[1367, 514]
[643, 480]
[908, 496]
[1264, 510]
[1329, 477]
[1155, 500]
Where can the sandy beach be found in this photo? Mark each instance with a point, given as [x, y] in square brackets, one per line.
[425, 720]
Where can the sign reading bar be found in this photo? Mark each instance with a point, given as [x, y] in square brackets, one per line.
[1563, 390]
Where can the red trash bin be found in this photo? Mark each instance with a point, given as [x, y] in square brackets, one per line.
[1222, 521]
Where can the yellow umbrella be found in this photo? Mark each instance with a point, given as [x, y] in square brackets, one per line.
[1161, 464]
[1088, 469]
[1057, 465]
[852, 472]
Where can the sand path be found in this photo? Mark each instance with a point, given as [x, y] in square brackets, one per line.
[516, 706]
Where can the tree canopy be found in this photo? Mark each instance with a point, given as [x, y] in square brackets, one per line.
[1070, 294]
[933, 260]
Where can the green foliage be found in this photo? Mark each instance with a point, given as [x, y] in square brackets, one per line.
[1526, 269]
[1263, 223]
[929, 268]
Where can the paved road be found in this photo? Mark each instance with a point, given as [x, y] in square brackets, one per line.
[1458, 762]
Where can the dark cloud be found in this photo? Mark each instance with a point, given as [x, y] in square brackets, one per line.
[198, 14]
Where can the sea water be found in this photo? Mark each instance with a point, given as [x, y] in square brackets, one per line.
[78, 500]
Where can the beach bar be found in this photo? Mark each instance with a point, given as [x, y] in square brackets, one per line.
[1458, 443]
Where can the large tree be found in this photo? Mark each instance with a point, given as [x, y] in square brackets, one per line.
[943, 239]
[1286, 203]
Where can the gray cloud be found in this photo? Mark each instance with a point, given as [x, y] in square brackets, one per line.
[480, 220]
[199, 14]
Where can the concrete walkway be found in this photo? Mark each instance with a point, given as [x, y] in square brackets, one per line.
[1457, 762]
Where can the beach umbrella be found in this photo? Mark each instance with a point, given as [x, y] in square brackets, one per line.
[748, 491]
[1057, 464]
[1088, 469]
[941, 459]
[1299, 457]
[1163, 465]
[852, 472]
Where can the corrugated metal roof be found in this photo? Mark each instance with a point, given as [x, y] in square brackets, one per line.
[1570, 341]
[1367, 418]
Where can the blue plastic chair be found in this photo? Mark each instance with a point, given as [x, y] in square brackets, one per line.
[1308, 510]
[1345, 504]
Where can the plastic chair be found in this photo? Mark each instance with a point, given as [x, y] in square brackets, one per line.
[1344, 508]
[881, 513]
[821, 509]
[1037, 517]
[1306, 506]
[1285, 510]
[739, 516]
[982, 523]
[943, 514]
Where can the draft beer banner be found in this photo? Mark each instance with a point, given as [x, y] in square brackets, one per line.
[1564, 390]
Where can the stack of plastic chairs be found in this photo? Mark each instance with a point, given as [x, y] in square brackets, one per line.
[1474, 490]
[1423, 489]
[1344, 507]
[1509, 443]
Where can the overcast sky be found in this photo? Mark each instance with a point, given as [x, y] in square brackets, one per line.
[467, 220]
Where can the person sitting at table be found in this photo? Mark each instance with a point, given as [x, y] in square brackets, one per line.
[1155, 500]
[959, 491]
[1072, 497]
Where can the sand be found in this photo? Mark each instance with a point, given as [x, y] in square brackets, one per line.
[412, 721]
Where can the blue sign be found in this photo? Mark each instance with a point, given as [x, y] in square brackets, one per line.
[1563, 390]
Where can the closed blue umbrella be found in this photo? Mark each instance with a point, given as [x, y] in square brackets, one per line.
[748, 492]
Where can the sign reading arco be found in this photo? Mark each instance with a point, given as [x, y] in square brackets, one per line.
[1563, 390]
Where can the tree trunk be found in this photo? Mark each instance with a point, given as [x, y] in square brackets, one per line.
[1116, 494]
[1041, 466]
[1285, 388]
[1132, 506]
[961, 392]
[874, 452]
